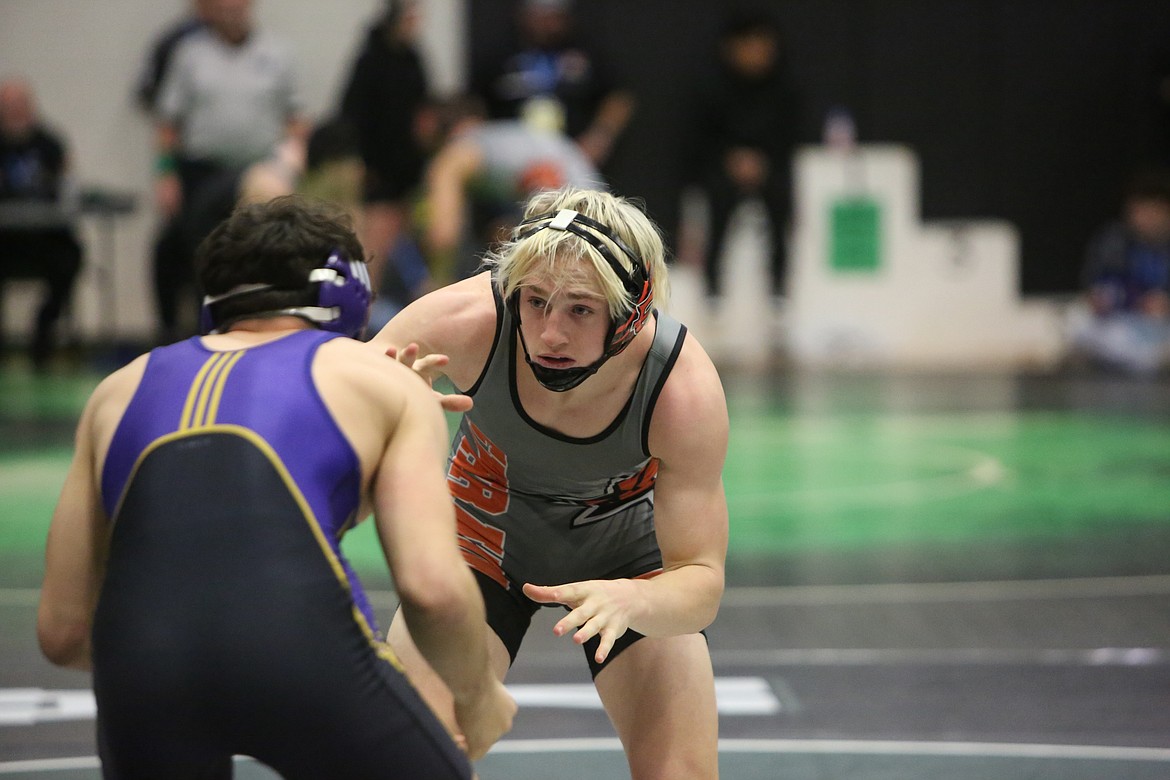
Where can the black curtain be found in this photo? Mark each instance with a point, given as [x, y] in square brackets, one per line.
[1033, 111]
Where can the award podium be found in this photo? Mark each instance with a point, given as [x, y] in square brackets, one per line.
[871, 284]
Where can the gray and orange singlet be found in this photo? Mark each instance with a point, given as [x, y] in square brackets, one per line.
[534, 505]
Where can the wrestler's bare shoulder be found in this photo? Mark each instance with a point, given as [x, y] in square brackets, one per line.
[455, 320]
[118, 387]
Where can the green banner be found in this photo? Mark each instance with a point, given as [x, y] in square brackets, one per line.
[855, 236]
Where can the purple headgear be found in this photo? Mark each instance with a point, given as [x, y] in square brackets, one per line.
[342, 305]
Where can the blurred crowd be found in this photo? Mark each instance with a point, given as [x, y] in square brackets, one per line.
[432, 180]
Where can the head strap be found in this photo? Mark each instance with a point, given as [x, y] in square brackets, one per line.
[587, 229]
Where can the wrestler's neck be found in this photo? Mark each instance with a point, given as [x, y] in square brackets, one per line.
[259, 330]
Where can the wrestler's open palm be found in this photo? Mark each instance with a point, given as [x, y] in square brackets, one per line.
[599, 608]
[428, 368]
[484, 719]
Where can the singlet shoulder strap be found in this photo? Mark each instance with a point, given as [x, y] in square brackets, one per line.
[503, 323]
[669, 336]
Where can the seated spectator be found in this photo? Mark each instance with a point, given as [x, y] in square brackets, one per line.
[1127, 277]
[37, 239]
[328, 168]
[335, 172]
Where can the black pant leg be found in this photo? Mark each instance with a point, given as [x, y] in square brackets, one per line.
[174, 249]
[62, 263]
[777, 199]
[171, 275]
[50, 254]
[722, 200]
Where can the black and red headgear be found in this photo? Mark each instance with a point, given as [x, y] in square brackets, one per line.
[635, 280]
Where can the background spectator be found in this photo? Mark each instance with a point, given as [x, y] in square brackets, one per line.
[36, 237]
[329, 168]
[158, 59]
[553, 80]
[1127, 275]
[229, 99]
[387, 101]
[745, 126]
[478, 182]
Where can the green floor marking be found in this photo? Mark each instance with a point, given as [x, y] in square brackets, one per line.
[797, 479]
[848, 481]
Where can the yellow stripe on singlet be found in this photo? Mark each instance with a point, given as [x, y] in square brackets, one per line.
[217, 392]
[193, 393]
[198, 421]
[203, 399]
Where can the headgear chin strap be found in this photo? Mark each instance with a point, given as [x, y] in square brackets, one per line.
[556, 379]
[635, 280]
[342, 303]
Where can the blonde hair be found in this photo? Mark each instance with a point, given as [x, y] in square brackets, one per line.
[553, 254]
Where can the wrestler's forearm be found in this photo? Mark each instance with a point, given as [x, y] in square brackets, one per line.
[680, 600]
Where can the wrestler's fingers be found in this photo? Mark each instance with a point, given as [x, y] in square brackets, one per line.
[430, 362]
[591, 628]
[405, 355]
[608, 639]
[573, 621]
[552, 594]
[453, 402]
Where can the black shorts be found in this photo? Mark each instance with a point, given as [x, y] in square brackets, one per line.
[509, 613]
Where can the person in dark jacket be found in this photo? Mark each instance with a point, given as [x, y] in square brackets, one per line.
[746, 117]
[157, 62]
[551, 78]
[387, 102]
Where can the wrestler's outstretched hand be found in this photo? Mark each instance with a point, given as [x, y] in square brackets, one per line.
[428, 368]
[596, 608]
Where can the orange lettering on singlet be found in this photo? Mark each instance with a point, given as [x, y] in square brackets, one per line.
[482, 545]
[479, 473]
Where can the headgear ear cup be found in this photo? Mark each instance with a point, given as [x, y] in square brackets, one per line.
[348, 292]
[624, 332]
